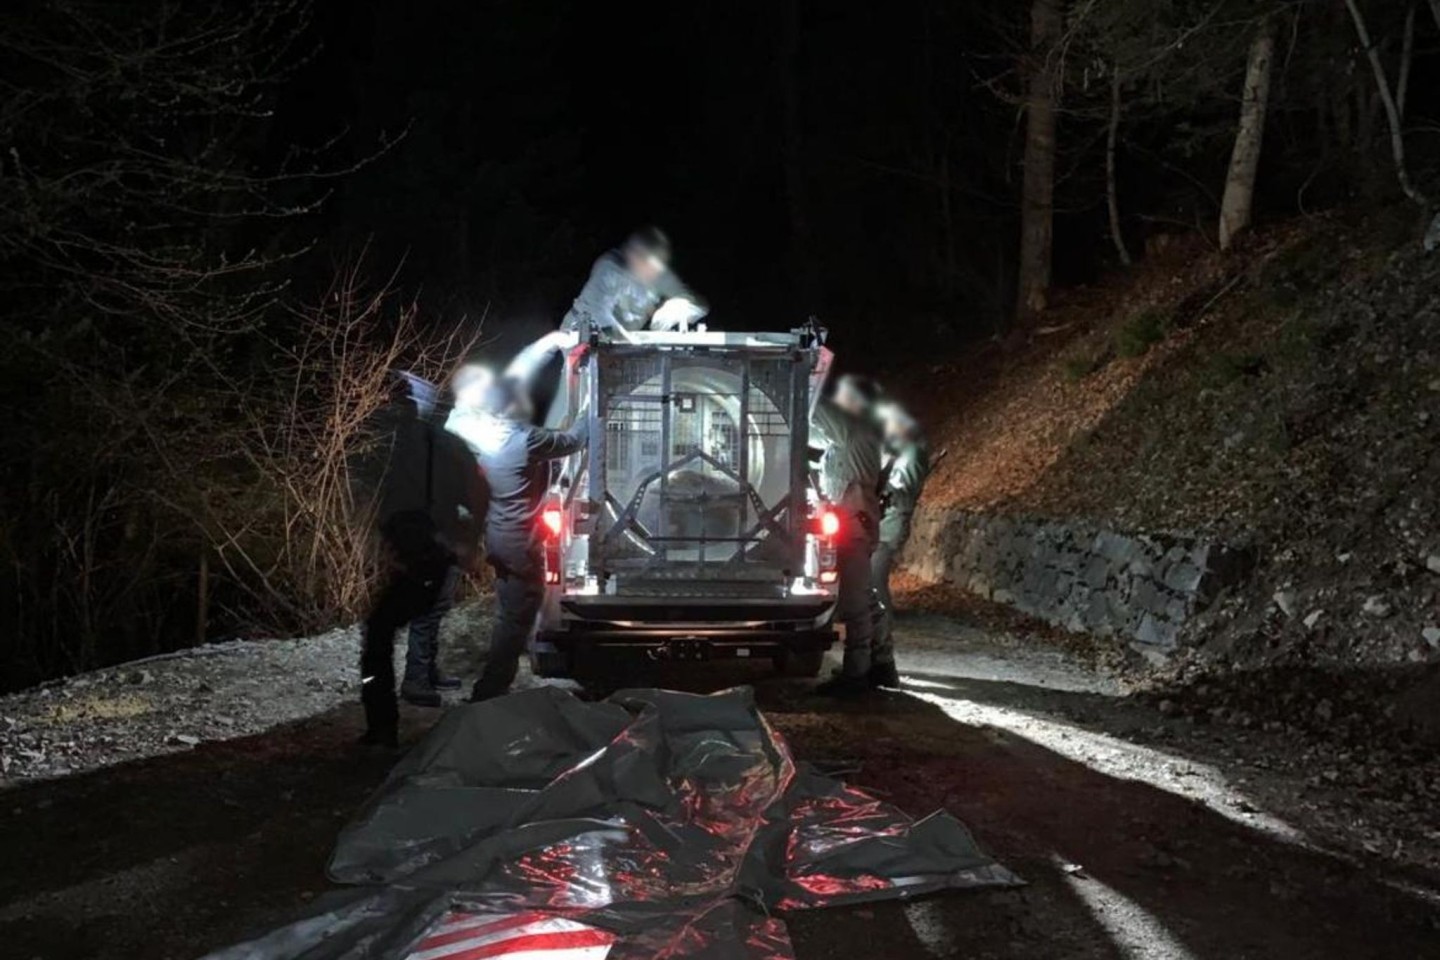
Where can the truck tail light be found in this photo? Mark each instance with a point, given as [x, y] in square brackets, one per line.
[825, 525]
[825, 522]
[552, 525]
[552, 519]
[829, 523]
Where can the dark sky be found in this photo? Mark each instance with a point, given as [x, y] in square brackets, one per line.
[539, 133]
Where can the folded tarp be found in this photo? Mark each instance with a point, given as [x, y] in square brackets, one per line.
[652, 824]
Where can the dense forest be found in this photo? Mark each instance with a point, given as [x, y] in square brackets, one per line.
[223, 225]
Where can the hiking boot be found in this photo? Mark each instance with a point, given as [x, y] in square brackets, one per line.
[386, 737]
[442, 681]
[419, 694]
[844, 687]
[884, 675]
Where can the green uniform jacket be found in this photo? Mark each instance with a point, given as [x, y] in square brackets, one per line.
[850, 467]
[902, 491]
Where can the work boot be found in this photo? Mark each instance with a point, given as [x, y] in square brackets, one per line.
[419, 694]
[380, 737]
[487, 690]
[442, 681]
[844, 687]
[884, 675]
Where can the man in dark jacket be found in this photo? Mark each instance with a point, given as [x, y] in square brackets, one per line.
[432, 499]
[633, 288]
[515, 456]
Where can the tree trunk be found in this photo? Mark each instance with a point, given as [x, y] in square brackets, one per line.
[1112, 199]
[1037, 205]
[1435, 9]
[1392, 112]
[1235, 206]
[1407, 58]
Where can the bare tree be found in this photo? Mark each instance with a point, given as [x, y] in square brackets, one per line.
[1387, 100]
[1037, 204]
[134, 270]
[1111, 196]
[1235, 206]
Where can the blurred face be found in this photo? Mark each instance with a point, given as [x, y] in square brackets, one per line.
[849, 399]
[470, 383]
[896, 427]
[644, 265]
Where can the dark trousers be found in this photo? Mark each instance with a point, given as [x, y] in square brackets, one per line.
[882, 562]
[854, 599]
[419, 594]
[518, 597]
[423, 651]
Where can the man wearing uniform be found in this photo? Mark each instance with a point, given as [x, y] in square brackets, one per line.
[907, 465]
[850, 481]
[515, 456]
[432, 499]
[633, 288]
[630, 288]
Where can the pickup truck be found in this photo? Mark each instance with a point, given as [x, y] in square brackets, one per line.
[690, 527]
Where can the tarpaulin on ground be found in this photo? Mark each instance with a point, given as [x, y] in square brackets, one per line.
[652, 824]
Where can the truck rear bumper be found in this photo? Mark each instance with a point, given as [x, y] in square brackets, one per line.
[563, 652]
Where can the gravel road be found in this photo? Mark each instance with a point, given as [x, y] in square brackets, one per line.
[1142, 834]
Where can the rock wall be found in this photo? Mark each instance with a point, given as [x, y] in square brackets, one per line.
[1139, 587]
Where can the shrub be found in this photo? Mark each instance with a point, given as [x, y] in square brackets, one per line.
[1140, 332]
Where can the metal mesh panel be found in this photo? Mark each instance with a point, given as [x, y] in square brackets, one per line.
[698, 464]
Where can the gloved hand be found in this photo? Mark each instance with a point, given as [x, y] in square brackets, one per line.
[677, 313]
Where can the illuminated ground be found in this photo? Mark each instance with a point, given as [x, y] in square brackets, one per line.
[1142, 836]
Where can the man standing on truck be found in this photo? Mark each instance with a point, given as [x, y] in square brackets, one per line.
[907, 464]
[633, 288]
[515, 456]
[630, 288]
[850, 482]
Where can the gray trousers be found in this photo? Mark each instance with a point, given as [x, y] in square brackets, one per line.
[518, 598]
[882, 561]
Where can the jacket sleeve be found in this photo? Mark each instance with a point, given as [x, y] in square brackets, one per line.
[597, 298]
[542, 444]
[907, 479]
[670, 286]
[830, 424]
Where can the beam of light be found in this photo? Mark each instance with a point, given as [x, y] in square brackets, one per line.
[1116, 758]
[1136, 932]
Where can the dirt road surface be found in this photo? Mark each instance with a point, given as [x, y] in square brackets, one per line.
[1141, 836]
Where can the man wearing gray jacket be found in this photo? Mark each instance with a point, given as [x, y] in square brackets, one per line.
[633, 288]
[516, 457]
[850, 482]
[907, 464]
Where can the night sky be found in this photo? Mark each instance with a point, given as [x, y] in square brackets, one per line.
[537, 135]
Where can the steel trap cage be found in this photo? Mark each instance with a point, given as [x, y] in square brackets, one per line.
[697, 465]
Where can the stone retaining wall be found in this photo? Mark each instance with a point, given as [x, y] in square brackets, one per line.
[1135, 586]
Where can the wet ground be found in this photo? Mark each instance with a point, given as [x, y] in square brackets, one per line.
[1140, 836]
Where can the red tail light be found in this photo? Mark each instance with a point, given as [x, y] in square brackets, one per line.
[827, 524]
[552, 520]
